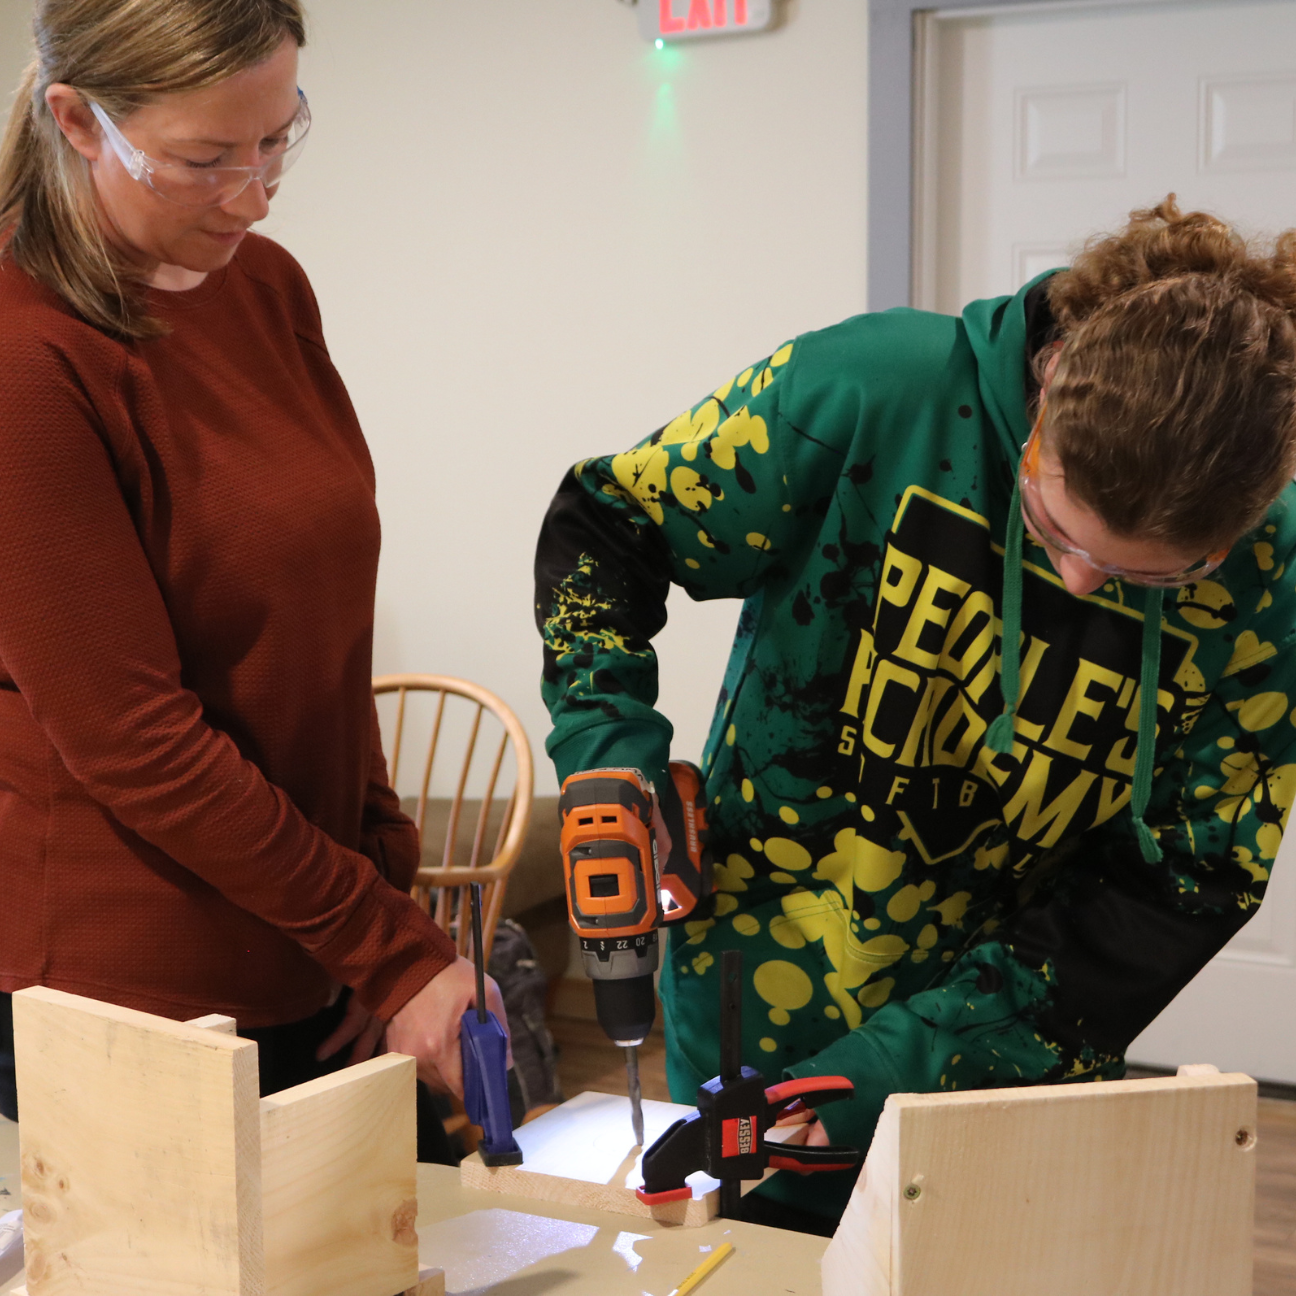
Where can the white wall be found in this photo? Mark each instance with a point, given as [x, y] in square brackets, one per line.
[15, 46]
[536, 238]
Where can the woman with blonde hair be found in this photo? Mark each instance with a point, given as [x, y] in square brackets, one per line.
[194, 807]
[1006, 745]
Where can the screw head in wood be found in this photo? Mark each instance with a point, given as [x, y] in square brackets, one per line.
[913, 1192]
[1245, 1139]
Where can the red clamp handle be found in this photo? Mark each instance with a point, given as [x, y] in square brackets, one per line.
[784, 1162]
[809, 1091]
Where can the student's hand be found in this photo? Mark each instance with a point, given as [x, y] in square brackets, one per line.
[811, 1133]
[799, 1116]
[358, 1025]
[427, 1028]
[818, 1136]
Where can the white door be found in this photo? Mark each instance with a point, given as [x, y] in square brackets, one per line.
[1040, 125]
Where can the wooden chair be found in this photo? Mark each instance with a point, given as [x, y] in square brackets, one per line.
[487, 729]
[464, 859]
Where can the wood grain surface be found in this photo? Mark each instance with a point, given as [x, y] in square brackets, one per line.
[1275, 1225]
[1138, 1186]
[338, 1183]
[431, 1282]
[141, 1159]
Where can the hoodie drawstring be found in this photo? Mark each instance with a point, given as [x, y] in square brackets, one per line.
[1149, 676]
[999, 737]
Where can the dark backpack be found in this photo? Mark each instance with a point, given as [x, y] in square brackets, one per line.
[524, 986]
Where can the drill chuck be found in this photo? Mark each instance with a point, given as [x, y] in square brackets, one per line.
[626, 1008]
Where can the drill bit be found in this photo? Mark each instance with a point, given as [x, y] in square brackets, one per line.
[636, 1095]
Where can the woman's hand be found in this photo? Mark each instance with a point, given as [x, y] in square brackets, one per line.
[427, 1028]
[358, 1025]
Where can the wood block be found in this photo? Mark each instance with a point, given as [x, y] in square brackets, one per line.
[338, 1183]
[431, 1282]
[582, 1153]
[216, 1022]
[1144, 1187]
[140, 1145]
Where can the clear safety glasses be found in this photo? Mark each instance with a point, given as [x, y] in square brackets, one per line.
[1038, 521]
[194, 184]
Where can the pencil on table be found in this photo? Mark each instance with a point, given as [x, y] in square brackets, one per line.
[714, 1260]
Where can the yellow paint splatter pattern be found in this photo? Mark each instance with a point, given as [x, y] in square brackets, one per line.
[840, 915]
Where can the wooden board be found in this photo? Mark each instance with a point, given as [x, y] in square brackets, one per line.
[431, 1282]
[582, 1153]
[140, 1146]
[339, 1199]
[1138, 1187]
[216, 1022]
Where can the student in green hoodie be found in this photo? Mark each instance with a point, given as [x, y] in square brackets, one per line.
[1004, 750]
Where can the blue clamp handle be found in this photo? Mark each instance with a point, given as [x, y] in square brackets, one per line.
[484, 1047]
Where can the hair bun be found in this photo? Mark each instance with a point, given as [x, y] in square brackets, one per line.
[1162, 243]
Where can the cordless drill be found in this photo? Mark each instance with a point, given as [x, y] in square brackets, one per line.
[620, 890]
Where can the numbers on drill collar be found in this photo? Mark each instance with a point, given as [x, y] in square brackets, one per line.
[608, 945]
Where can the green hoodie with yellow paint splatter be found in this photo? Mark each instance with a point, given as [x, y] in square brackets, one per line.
[917, 911]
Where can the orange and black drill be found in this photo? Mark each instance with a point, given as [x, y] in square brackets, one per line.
[620, 890]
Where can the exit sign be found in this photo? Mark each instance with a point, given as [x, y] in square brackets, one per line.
[676, 20]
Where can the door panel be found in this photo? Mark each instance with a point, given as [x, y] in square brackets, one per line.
[1040, 128]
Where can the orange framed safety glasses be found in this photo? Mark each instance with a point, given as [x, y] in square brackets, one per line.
[1044, 528]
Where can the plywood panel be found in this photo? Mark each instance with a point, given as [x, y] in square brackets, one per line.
[1143, 1187]
[140, 1146]
[859, 1259]
[338, 1183]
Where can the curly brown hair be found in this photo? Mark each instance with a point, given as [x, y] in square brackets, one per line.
[1173, 405]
